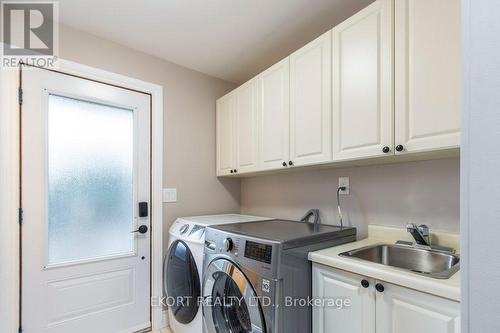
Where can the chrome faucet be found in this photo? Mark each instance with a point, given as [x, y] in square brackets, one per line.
[420, 233]
[422, 238]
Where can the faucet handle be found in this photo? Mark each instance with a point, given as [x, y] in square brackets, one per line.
[420, 233]
[424, 229]
[411, 226]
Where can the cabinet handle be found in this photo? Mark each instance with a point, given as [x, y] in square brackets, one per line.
[235, 171]
[386, 149]
[365, 283]
[400, 148]
[290, 163]
[380, 288]
[231, 171]
[284, 164]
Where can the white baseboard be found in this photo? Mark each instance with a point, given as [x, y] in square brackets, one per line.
[164, 319]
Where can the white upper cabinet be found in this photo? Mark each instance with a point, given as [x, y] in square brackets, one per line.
[225, 123]
[385, 81]
[310, 103]
[246, 131]
[428, 74]
[363, 84]
[329, 284]
[404, 310]
[274, 116]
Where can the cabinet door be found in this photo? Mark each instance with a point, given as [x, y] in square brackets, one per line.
[332, 284]
[405, 310]
[246, 127]
[225, 124]
[428, 74]
[363, 84]
[310, 102]
[274, 117]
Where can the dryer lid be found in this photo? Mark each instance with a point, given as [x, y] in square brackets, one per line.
[289, 233]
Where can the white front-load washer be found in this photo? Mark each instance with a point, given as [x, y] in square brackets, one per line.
[183, 265]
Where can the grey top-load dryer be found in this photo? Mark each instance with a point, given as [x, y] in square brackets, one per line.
[257, 275]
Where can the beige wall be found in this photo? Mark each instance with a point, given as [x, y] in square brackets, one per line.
[189, 122]
[421, 192]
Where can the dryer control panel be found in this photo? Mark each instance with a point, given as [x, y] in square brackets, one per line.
[258, 251]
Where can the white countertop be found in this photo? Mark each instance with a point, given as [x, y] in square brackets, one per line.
[448, 288]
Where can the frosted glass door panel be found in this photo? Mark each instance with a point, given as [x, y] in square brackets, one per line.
[90, 180]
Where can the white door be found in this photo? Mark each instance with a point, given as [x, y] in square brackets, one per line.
[332, 284]
[428, 67]
[85, 169]
[225, 135]
[363, 84]
[405, 310]
[247, 140]
[310, 102]
[274, 109]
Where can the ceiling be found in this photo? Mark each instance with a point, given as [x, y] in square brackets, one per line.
[229, 39]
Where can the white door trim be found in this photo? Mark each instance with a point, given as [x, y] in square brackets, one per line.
[9, 178]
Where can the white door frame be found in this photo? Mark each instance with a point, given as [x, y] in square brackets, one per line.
[9, 180]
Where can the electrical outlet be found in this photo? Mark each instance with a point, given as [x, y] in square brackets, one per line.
[344, 181]
[169, 195]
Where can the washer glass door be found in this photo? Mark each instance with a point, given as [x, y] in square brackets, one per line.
[231, 305]
[182, 282]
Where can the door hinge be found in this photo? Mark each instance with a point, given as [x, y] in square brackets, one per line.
[20, 95]
[21, 216]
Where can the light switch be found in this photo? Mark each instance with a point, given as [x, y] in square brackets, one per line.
[169, 195]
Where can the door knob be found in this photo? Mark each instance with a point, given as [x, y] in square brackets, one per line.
[386, 149]
[400, 148]
[365, 283]
[380, 288]
[284, 164]
[142, 229]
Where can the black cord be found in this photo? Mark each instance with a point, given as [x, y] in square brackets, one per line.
[340, 188]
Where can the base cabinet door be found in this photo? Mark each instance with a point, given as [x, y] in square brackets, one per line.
[363, 85]
[310, 103]
[404, 310]
[428, 67]
[246, 133]
[330, 285]
[225, 134]
[274, 116]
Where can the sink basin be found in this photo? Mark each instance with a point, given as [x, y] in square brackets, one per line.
[435, 264]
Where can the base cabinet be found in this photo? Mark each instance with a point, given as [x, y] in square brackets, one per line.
[394, 310]
[405, 310]
[335, 285]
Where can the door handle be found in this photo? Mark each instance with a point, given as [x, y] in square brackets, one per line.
[142, 229]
